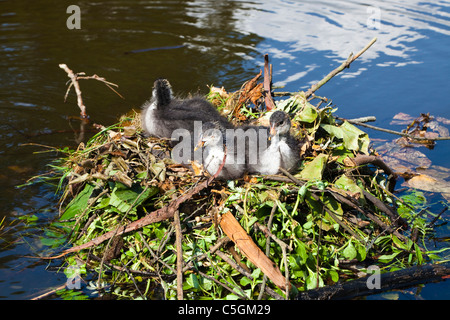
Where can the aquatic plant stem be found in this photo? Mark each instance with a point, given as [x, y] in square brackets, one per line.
[179, 235]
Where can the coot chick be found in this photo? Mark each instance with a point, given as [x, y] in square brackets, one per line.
[163, 113]
[177, 119]
[281, 149]
[213, 141]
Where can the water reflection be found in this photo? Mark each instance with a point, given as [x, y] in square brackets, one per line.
[340, 27]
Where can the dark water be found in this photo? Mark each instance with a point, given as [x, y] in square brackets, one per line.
[218, 42]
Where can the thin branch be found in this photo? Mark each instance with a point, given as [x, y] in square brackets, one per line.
[362, 159]
[76, 85]
[344, 65]
[269, 234]
[247, 274]
[101, 79]
[406, 135]
[269, 226]
[74, 77]
[179, 235]
[243, 297]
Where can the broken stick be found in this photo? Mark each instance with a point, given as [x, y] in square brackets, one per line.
[74, 77]
[344, 65]
[76, 85]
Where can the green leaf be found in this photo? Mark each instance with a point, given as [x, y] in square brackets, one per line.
[353, 138]
[388, 257]
[400, 244]
[418, 254]
[245, 281]
[79, 203]
[193, 281]
[314, 169]
[311, 280]
[350, 251]
[333, 275]
[348, 184]
[362, 253]
[307, 114]
[123, 199]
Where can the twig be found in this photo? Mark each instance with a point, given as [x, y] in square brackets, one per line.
[116, 232]
[52, 291]
[176, 221]
[74, 77]
[152, 253]
[431, 224]
[361, 119]
[362, 159]
[395, 218]
[269, 226]
[269, 234]
[344, 65]
[283, 246]
[247, 274]
[369, 215]
[130, 276]
[76, 85]
[268, 84]
[406, 135]
[243, 297]
[222, 241]
[107, 83]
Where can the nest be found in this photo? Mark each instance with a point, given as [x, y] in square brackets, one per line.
[130, 208]
[151, 228]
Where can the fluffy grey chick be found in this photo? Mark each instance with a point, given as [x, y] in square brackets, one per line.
[213, 141]
[280, 150]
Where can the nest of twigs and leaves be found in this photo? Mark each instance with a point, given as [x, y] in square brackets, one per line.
[142, 226]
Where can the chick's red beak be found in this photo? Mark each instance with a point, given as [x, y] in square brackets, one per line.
[199, 145]
[272, 131]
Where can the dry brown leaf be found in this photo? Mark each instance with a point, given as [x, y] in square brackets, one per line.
[244, 242]
[397, 157]
[435, 171]
[348, 162]
[220, 91]
[427, 183]
[198, 168]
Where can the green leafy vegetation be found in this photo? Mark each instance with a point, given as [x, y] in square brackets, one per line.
[323, 222]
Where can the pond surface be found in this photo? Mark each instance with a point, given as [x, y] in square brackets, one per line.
[207, 42]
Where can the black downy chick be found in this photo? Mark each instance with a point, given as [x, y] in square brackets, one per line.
[163, 115]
